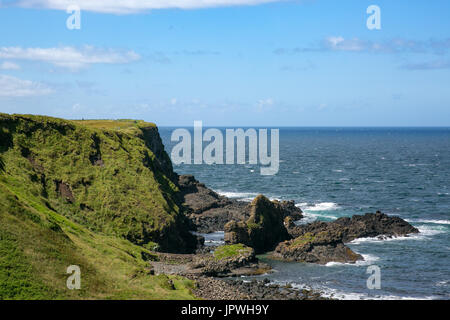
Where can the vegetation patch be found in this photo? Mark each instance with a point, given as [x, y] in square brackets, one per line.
[232, 250]
[302, 240]
[59, 208]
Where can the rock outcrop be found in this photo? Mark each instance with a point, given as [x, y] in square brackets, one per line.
[321, 247]
[114, 177]
[263, 230]
[210, 211]
[229, 260]
[323, 242]
[358, 226]
[225, 261]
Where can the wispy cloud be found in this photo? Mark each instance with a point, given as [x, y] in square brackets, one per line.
[392, 46]
[263, 105]
[69, 57]
[430, 65]
[8, 65]
[130, 7]
[15, 87]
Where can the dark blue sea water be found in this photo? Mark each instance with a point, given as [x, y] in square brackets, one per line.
[335, 172]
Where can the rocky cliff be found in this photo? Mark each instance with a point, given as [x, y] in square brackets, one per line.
[97, 194]
[113, 177]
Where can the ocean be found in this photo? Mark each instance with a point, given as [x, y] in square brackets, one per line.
[337, 172]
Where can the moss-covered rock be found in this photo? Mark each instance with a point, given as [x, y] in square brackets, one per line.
[228, 260]
[233, 251]
[321, 247]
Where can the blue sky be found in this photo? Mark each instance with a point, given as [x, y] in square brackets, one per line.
[255, 63]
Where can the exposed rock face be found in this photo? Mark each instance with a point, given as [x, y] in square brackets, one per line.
[263, 230]
[322, 247]
[114, 177]
[225, 261]
[359, 226]
[210, 211]
[322, 242]
[219, 265]
[372, 225]
[290, 210]
[153, 141]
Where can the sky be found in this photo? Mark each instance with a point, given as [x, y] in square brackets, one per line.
[228, 62]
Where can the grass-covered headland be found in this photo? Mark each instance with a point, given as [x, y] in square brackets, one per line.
[99, 194]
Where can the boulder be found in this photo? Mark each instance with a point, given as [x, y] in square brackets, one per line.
[209, 211]
[229, 260]
[263, 230]
[323, 247]
[358, 226]
[323, 242]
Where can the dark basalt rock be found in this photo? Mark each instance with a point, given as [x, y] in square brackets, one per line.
[263, 230]
[210, 265]
[359, 226]
[322, 242]
[290, 210]
[209, 211]
[321, 247]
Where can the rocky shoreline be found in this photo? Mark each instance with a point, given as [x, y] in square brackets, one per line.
[224, 286]
[262, 226]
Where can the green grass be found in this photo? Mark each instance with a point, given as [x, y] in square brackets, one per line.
[124, 125]
[302, 240]
[36, 250]
[233, 250]
[116, 214]
[124, 194]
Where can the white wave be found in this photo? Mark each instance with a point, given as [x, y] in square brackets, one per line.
[243, 196]
[322, 206]
[240, 196]
[425, 233]
[428, 221]
[311, 212]
[368, 260]
[341, 295]
[311, 217]
[213, 239]
[234, 195]
[442, 283]
[428, 231]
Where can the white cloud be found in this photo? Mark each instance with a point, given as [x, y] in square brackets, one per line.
[69, 57]
[15, 87]
[391, 46]
[7, 65]
[264, 104]
[133, 6]
[341, 44]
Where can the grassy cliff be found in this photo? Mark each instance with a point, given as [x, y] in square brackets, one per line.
[97, 194]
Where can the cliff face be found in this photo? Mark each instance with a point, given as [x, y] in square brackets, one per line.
[113, 177]
[95, 194]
